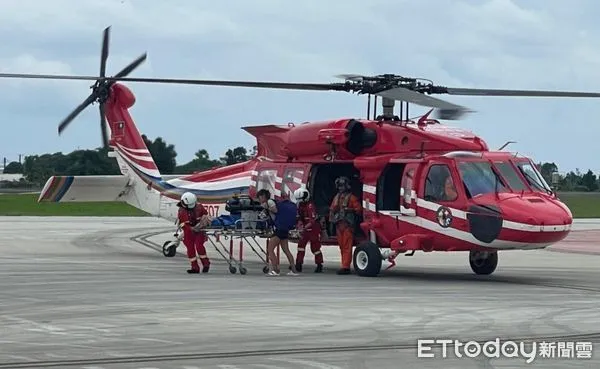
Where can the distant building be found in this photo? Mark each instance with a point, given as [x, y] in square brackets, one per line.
[10, 177]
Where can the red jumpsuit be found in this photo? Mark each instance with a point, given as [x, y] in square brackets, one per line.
[194, 242]
[312, 233]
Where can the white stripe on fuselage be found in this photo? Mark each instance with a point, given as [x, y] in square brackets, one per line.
[151, 172]
[505, 224]
[460, 234]
[134, 151]
[463, 215]
[212, 186]
[147, 159]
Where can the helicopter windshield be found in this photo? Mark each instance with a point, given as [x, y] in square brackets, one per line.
[510, 175]
[479, 178]
[533, 176]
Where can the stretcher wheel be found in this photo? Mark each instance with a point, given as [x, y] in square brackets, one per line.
[243, 270]
[232, 269]
[168, 252]
[266, 269]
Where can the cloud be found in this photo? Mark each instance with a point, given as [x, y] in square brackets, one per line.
[538, 44]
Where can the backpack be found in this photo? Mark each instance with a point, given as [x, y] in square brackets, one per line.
[286, 216]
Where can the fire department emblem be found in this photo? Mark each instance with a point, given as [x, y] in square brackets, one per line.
[444, 217]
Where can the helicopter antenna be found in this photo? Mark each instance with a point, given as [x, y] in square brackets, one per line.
[506, 144]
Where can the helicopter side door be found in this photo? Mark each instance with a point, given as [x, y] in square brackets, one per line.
[408, 191]
[440, 191]
[281, 180]
[293, 177]
[265, 178]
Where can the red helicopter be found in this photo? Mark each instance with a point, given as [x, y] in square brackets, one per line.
[423, 185]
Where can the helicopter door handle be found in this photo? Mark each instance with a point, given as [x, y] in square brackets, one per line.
[395, 213]
[407, 211]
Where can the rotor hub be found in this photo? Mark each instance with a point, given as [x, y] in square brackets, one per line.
[101, 90]
[382, 82]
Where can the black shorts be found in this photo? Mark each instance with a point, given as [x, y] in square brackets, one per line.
[281, 234]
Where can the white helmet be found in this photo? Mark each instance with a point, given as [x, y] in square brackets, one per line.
[188, 200]
[301, 194]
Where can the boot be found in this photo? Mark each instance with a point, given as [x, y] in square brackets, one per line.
[193, 271]
[319, 268]
[298, 268]
[205, 268]
[343, 271]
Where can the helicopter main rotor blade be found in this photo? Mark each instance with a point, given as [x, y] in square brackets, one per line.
[104, 54]
[254, 84]
[131, 67]
[351, 77]
[47, 76]
[520, 93]
[450, 111]
[90, 99]
[103, 125]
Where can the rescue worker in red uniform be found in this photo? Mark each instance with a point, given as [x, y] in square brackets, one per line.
[194, 217]
[343, 212]
[311, 230]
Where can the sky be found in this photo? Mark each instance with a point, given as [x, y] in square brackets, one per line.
[526, 44]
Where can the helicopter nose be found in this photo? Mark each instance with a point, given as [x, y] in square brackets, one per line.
[536, 219]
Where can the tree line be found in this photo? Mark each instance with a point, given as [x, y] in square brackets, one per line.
[36, 169]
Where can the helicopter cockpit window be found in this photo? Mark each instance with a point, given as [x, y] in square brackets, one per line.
[479, 178]
[439, 185]
[508, 172]
[533, 177]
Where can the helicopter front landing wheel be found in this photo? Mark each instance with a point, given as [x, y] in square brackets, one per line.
[367, 259]
[483, 262]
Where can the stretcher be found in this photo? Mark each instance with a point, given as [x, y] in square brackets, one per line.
[247, 232]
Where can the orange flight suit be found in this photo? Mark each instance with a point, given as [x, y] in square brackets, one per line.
[345, 232]
[449, 190]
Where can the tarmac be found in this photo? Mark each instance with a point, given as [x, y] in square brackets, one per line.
[97, 293]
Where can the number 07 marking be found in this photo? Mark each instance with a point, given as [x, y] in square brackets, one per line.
[213, 210]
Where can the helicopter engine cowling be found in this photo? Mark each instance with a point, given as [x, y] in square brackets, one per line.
[349, 136]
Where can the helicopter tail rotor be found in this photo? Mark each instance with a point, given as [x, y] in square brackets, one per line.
[101, 89]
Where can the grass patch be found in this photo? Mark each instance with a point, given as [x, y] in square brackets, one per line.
[582, 204]
[26, 204]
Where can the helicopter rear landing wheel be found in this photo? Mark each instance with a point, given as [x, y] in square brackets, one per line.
[168, 252]
[483, 262]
